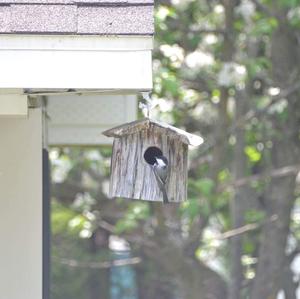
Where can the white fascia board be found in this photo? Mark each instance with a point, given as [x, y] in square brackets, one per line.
[13, 105]
[76, 42]
[11, 91]
[76, 62]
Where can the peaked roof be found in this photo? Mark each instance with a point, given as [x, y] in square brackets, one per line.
[101, 17]
[140, 125]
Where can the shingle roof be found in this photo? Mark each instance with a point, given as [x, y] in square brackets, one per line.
[104, 17]
[144, 124]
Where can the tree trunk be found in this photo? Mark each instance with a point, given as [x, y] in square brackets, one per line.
[219, 151]
[99, 279]
[239, 202]
[184, 275]
[280, 194]
[200, 282]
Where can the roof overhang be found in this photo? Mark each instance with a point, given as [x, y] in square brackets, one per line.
[86, 62]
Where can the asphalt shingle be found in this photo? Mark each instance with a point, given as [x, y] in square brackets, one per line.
[5, 19]
[102, 17]
[79, 2]
[105, 20]
[43, 18]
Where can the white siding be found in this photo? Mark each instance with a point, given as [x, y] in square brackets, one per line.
[81, 119]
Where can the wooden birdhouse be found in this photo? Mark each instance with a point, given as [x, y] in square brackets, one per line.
[135, 148]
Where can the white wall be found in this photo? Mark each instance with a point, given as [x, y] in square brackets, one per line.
[81, 119]
[21, 207]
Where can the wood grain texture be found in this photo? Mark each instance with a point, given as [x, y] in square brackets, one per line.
[132, 177]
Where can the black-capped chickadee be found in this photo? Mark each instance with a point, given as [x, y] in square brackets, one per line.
[161, 171]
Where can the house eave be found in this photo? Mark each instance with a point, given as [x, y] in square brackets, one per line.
[76, 62]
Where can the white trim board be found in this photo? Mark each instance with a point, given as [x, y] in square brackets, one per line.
[13, 105]
[76, 42]
[76, 62]
[21, 207]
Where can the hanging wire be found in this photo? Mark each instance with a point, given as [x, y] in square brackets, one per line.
[147, 105]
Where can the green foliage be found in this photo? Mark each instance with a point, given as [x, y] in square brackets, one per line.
[252, 153]
[135, 213]
[294, 17]
[264, 26]
[205, 186]
[289, 3]
[257, 65]
[60, 218]
[192, 208]
[248, 247]
[223, 175]
[254, 216]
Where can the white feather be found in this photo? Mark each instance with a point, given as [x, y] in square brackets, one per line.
[160, 162]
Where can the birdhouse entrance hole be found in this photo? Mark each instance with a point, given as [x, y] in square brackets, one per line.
[150, 154]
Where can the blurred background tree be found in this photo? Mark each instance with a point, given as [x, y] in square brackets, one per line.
[228, 70]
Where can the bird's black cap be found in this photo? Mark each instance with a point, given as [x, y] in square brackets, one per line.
[151, 153]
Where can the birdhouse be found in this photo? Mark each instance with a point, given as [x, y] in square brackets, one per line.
[135, 149]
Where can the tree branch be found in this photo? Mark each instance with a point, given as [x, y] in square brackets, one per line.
[99, 265]
[274, 173]
[245, 228]
[208, 31]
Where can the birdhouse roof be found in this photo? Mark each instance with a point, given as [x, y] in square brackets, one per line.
[144, 124]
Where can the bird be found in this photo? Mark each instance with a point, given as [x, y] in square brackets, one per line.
[161, 171]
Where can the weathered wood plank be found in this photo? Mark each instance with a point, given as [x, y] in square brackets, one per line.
[133, 177]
